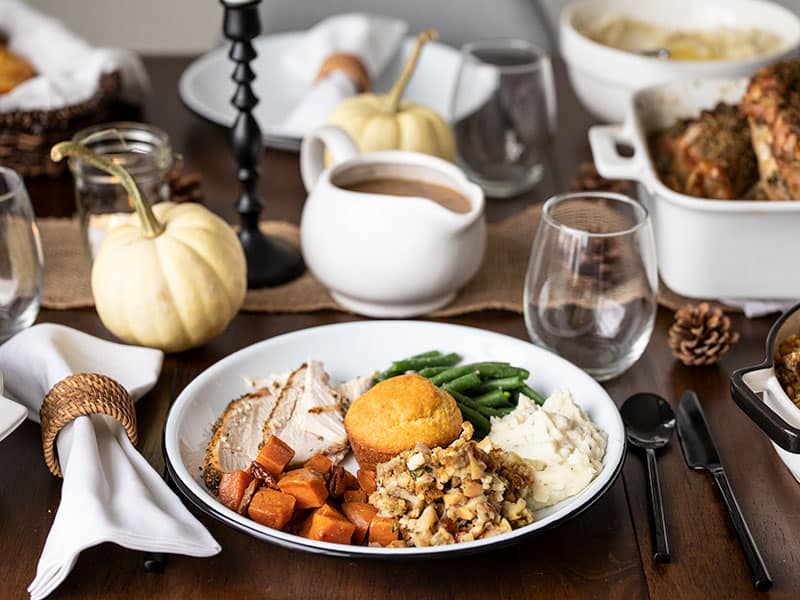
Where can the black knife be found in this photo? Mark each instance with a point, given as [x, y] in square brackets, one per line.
[700, 452]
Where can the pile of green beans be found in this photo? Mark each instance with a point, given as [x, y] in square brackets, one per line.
[481, 390]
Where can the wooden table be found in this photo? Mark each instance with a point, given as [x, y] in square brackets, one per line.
[605, 552]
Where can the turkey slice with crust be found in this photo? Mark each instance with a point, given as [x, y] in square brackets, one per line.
[237, 433]
[309, 416]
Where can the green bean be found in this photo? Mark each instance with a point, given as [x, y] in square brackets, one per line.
[431, 371]
[429, 354]
[417, 364]
[506, 383]
[495, 370]
[459, 384]
[530, 393]
[481, 423]
[497, 412]
[449, 374]
[492, 398]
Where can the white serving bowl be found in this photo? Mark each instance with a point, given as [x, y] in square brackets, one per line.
[605, 78]
[738, 249]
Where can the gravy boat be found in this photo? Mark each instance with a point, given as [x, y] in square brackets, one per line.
[382, 255]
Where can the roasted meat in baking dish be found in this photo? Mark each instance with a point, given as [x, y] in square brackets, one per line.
[772, 106]
[710, 156]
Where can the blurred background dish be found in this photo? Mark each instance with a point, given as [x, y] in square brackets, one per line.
[604, 77]
[206, 87]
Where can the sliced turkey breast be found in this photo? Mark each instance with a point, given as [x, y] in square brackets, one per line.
[309, 415]
[237, 433]
[350, 390]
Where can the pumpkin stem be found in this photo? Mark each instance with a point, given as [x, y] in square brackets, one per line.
[396, 93]
[151, 226]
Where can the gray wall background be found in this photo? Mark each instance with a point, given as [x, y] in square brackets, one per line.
[193, 26]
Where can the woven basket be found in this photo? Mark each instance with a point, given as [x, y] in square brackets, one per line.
[27, 136]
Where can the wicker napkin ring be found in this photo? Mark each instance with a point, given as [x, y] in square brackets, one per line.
[77, 396]
[350, 65]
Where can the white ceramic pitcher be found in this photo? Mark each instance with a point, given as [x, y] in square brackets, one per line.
[382, 255]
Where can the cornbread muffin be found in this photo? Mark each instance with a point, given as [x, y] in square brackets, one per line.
[398, 413]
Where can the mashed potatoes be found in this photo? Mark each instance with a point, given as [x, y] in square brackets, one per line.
[721, 43]
[562, 445]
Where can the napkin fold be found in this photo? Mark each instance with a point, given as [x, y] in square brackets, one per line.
[110, 492]
[373, 39]
[68, 68]
[753, 309]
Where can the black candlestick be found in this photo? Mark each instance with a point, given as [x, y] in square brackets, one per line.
[270, 261]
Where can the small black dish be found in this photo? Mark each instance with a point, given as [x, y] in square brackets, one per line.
[748, 382]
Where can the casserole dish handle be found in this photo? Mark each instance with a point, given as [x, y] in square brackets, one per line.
[603, 140]
[745, 385]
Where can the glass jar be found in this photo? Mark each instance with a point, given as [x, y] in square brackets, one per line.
[102, 203]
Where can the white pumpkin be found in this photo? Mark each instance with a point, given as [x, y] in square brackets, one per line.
[385, 122]
[172, 276]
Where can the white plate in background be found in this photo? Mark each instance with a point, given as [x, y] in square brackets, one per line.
[206, 86]
[351, 349]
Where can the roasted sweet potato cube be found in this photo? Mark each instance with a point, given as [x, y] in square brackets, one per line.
[271, 508]
[359, 514]
[307, 486]
[274, 455]
[355, 496]
[232, 486]
[350, 481]
[383, 530]
[367, 480]
[326, 524]
[320, 463]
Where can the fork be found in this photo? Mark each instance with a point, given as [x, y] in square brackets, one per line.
[154, 562]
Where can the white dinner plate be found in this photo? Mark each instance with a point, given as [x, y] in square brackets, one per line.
[206, 86]
[351, 349]
[12, 414]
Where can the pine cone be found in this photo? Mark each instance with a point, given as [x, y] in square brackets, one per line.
[185, 187]
[701, 335]
[601, 262]
[589, 180]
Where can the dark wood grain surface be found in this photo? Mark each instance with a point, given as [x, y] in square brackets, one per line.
[603, 553]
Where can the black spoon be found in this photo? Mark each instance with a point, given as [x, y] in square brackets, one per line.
[649, 424]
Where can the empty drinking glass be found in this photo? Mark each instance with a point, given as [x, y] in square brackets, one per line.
[504, 114]
[21, 258]
[592, 281]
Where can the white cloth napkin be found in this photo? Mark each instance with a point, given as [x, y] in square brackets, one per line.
[760, 308]
[68, 68]
[110, 492]
[374, 40]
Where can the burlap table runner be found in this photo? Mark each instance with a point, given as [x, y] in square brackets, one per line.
[498, 285]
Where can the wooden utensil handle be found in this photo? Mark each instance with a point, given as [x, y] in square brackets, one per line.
[761, 577]
[660, 542]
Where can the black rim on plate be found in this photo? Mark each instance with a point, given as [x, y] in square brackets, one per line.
[460, 549]
[779, 431]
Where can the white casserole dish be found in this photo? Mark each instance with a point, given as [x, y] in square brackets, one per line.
[604, 78]
[736, 249]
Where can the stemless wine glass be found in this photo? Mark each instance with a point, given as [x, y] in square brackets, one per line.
[504, 113]
[592, 281]
[21, 258]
